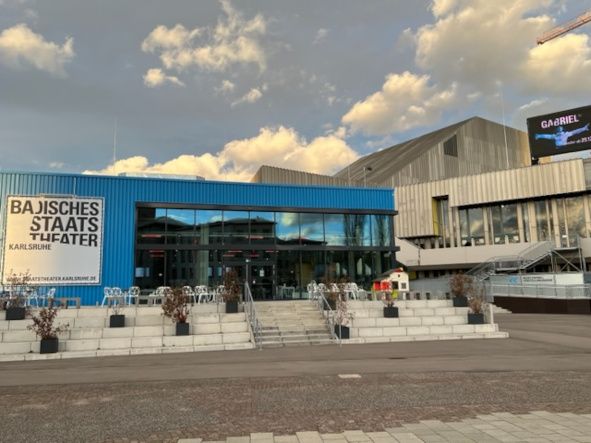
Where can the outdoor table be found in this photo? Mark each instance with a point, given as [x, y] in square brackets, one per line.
[149, 299]
[64, 301]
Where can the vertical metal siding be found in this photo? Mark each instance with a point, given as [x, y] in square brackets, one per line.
[414, 201]
[122, 193]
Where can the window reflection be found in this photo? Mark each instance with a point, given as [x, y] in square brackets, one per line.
[510, 225]
[236, 227]
[180, 224]
[381, 226]
[543, 221]
[496, 218]
[288, 227]
[312, 228]
[575, 216]
[336, 234]
[151, 226]
[357, 230]
[476, 220]
[181, 246]
[209, 226]
[262, 227]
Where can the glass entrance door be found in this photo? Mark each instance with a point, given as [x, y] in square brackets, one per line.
[259, 275]
[262, 281]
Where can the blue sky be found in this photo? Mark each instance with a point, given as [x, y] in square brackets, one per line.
[217, 88]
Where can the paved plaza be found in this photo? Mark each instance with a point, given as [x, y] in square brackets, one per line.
[387, 391]
[536, 427]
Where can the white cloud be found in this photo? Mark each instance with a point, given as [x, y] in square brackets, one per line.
[320, 35]
[405, 101]
[226, 87]
[251, 96]
[239, 159]
[533, 105]
[562, 66]
[234, 40]
[21, 48]
[478, 42]
[155, 77]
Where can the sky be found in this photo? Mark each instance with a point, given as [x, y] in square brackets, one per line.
[216, 88]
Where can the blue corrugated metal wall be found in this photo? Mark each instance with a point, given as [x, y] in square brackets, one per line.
[122, 193]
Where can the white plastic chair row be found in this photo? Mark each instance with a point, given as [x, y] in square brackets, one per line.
[115, 294]
[34, 295]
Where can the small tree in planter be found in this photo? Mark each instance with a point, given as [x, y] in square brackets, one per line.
[390, 311]
[231, 293]
[476, 303]
[460, 286]
[19, 286]
[44, 328]
[342, 318]
[335, 291]
[177, 308]
[117, 318]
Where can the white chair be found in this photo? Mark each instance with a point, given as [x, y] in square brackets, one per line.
[107, 295]
[159, 294]
[30, 296]
[133, 293]
[47, 298]
[203, 295]
[218, 293]
[190, 294]
[351, 290]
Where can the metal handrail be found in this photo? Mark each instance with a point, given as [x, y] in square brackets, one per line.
[251, 312]
[328, 315]
[561, 292]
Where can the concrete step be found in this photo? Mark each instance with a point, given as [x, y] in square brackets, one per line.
[406, 338]
[411, 331]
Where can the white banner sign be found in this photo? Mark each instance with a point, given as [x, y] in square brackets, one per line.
[58, 240]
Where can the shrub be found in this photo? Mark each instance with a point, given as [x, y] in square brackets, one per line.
[175, 306]
[461, 284]
[476, 300]
[43, 324]
[18, 286]
[232, 288]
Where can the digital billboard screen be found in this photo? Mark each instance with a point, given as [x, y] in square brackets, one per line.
[559, 133]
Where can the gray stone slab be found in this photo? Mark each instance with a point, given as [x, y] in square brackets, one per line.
[309, 437]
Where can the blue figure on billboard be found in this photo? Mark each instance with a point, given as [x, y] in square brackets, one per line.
[561, 136]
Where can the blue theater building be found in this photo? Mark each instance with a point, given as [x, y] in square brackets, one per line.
[169, 232]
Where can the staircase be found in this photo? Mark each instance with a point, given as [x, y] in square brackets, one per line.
[146, 331]
[291, 323]
[527, 258]
[419, 320]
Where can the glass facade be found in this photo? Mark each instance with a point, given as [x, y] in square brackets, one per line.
[277, 252]
[472, 226]
[562, 220]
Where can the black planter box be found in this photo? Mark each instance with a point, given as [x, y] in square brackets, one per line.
[49, 346]
[341, 331]
[390, 312]
[475, 319]
[232, 307]
[460, 301]
[182, 329]
[331, 303]
[15, 313]
[117, 321]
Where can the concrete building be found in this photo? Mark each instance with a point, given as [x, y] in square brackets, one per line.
[467, 193]
[82, 232]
